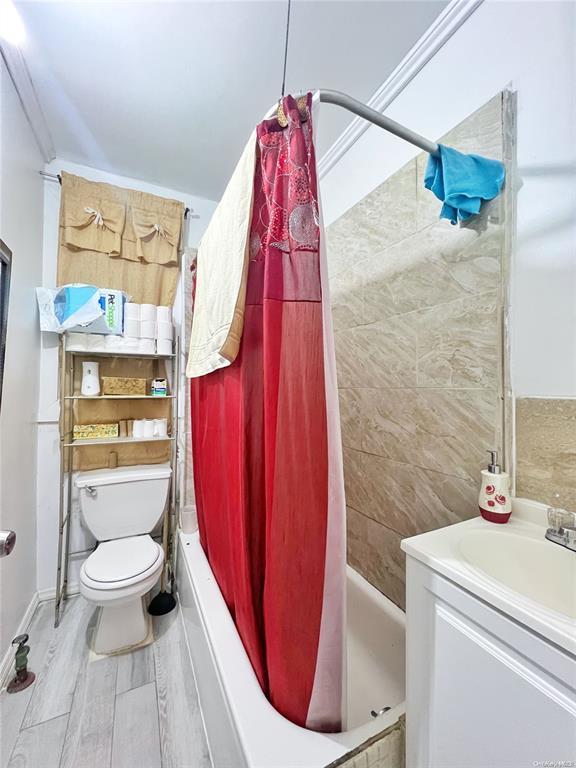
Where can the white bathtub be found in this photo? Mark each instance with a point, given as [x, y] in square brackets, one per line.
[243, 729]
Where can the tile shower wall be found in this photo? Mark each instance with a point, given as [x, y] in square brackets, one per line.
[417, 316]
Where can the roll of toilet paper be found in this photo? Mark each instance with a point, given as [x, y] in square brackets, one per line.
[164, 330]
[148, 312]
[77, 342]
[96, 342]
[146, 346]
[148, 427]
[131, 311]
[163, 347]
[164, 314]
[131, 327]
[160, 427]
[148, 329]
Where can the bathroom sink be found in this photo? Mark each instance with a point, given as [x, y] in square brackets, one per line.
[538, 569]
[511, 567]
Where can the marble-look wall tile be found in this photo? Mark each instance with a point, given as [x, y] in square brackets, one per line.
[433, 266]
[382, 489]
[406, 498]
[458, 343]
[416, 306]
[374, 551]
[546, 450]
[481, 132]
[439, 429]
[347, 298]
[377, 355]
[351, 417]
[385, 216]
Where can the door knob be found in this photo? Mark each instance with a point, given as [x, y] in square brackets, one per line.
[7, 542]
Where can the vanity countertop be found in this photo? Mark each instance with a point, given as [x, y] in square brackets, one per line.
[512, 567]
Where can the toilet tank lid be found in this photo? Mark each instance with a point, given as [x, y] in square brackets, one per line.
[133, 474]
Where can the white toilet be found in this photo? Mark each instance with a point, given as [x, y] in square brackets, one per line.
[121, 507]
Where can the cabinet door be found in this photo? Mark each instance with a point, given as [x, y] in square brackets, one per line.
[484, 691]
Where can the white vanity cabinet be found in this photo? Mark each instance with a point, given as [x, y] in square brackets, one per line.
[483, 690]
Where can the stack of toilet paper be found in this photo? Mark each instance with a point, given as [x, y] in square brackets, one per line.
[150, 323]
[96, 342]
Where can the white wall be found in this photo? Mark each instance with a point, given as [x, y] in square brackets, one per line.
[21, 230]
[530, 47]
[48, 407]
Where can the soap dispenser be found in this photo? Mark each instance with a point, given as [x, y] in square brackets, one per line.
[494, 497]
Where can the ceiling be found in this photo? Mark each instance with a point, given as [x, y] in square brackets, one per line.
[168, 92]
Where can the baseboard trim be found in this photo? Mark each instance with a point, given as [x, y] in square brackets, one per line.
[44, 595]
[41, 596]
[7, 664]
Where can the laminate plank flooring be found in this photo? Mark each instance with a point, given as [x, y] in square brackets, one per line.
[13, 708]
[136, 735]
[182, 735]
[56, 679]
[91, 722]
[135, 669]
[137, 710]
[40, 745]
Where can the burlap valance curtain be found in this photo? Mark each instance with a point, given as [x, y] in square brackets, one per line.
[119, 238]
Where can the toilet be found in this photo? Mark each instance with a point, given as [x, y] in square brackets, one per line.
[121, 507]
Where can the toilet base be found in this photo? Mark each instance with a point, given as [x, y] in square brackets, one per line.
[121, 627]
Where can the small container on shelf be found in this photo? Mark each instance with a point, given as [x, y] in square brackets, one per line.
[95, 431]
[159, 388]
[90, 379]
[123, 385]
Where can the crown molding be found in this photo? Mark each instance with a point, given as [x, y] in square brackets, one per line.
[437, 34]
[20, 76]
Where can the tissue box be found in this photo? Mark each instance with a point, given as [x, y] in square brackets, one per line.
[112, 321]
[93, 431]
[121, 385]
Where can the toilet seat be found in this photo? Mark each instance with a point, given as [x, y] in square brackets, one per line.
[120, 563]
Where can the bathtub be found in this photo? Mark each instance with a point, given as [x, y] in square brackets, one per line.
[242, 727]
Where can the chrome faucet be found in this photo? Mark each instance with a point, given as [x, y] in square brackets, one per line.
[562, 527]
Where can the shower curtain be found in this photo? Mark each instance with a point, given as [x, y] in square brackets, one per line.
[266, 445]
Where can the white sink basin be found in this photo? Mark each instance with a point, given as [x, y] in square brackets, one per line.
[511, 567]
[541, 570]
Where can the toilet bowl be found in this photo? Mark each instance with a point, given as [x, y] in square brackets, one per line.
[116, 577]
[121, 507]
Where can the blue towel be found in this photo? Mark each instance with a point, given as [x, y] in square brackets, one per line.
[462, 181]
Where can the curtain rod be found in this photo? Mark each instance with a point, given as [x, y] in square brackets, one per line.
[51, 176]
[58, 178]
[362, 110]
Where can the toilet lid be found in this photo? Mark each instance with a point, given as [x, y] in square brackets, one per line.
[122, 559]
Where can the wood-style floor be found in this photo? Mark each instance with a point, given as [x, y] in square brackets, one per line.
[138, 710]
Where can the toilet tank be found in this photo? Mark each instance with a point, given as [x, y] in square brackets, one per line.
[126, 501]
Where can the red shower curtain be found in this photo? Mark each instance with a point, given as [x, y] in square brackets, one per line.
[267, 465]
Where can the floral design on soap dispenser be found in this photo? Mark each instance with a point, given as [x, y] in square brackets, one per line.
[494, 497]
